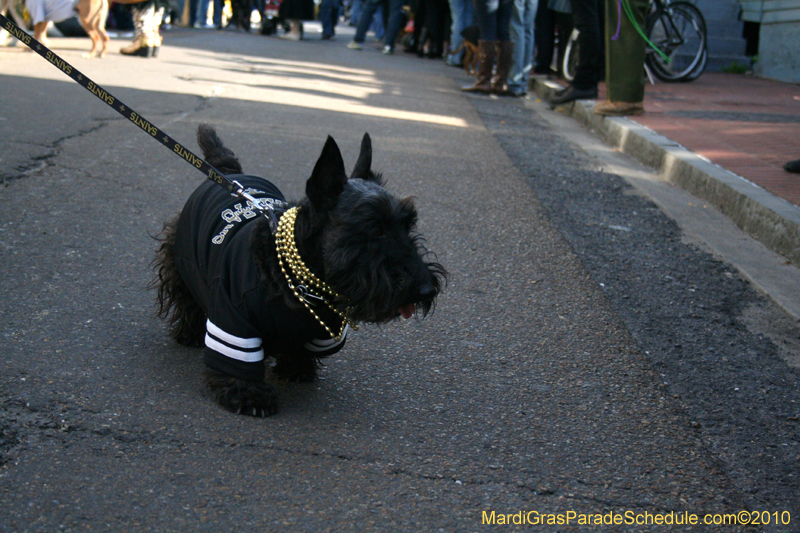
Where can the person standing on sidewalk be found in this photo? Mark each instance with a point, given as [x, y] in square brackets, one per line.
[395, 19]
[494, 20]
[461, 14]
[329, 16]
[549, 18]
[625, 51]
[296, 11]
[586, 19]
[522, 19]
[147, 17]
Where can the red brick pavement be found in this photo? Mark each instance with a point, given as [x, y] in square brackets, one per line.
[745, 124]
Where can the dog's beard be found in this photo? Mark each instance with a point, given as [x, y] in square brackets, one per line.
[377, 295]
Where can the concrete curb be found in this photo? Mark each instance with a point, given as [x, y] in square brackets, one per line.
[773, 221]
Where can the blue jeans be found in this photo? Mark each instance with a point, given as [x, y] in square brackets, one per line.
[461, 12]
[395, 19]
[329, 16]
[202, 10]
[366, 14]
[522, 19]
[494, 21]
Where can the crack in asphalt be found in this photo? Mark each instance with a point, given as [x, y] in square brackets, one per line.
[37, 163]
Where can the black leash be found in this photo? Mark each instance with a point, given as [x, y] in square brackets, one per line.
[233, 186]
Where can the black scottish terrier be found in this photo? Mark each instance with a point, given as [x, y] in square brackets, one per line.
[346, 253]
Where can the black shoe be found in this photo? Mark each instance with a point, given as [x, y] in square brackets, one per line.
[793, 166]
[572, 94]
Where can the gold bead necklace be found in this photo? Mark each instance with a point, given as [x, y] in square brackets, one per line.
[307, 284]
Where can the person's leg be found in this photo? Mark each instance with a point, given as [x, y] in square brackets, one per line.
[487, 22]
[505, 48]
[355, 12]
[378, 27]
[586, 19]
[336, 11]
[192, 12]
[433, 22]
[530, 38]
[395, 21]
[385, 13]
[155, 28]
[201, 17]
[503, 22]
[420, 32]
[325, 8]
[584, 86]
[144, 41]
[457, 25]
[366, 15]
[217, 18]
[521, 30]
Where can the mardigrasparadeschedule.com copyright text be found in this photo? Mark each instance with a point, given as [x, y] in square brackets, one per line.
[634, 518]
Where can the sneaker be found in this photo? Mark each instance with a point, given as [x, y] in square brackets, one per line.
[571, 94]
[353, 45]
[388, 50]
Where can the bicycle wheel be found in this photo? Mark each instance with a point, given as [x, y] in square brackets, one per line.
[699, 69]
[569, 64]
[702, 60]
[678, 30]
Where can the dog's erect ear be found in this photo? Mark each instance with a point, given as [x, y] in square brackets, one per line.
[363, 168]
[328, 179]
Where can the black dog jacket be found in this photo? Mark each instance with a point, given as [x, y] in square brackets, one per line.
[214, 258]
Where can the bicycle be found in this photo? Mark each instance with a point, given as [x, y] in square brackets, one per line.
[677, 43]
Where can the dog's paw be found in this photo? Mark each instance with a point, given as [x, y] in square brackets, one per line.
[297, 369]
[240, 396]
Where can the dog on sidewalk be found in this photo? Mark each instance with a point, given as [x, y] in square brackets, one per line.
[92, 15]
[469, 43]
[347, 252]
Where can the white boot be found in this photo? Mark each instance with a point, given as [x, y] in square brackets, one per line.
[158, 17]
[143, 44]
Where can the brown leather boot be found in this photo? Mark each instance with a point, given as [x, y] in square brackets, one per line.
[505, 52]
[485, 64]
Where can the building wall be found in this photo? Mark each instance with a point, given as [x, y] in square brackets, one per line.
[726, 44]
[779, 37]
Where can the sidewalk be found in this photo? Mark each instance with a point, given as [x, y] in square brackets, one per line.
[741, 126]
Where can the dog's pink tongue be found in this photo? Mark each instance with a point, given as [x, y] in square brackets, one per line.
[407, 311]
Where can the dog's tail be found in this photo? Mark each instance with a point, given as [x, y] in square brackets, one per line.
[215, 153]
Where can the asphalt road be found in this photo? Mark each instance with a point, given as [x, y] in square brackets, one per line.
[585, 357]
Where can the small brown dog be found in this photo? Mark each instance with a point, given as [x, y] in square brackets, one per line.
[469, 43]
[91, 13]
